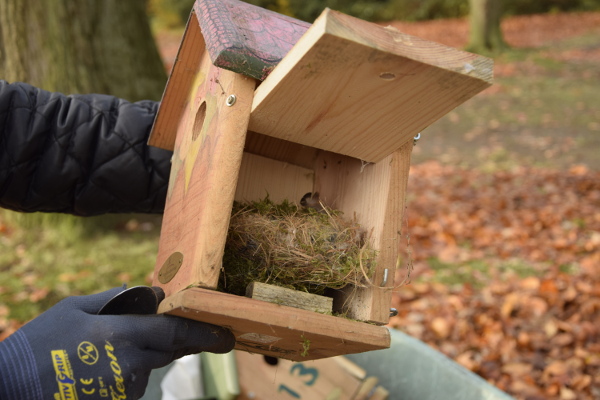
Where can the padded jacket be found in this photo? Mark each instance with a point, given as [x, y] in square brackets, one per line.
[79, 154]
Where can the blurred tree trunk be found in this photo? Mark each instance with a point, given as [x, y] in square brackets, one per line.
[75, 46]
[485, 32]
[71, 46]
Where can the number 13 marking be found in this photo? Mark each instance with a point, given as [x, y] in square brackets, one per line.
[301, 370]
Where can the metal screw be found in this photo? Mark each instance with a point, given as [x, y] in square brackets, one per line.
[393, 312]
[385, 277]
[416, 139]
[231, 100]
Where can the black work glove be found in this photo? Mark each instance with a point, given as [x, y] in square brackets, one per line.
[69, 352]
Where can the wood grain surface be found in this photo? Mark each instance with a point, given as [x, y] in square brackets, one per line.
[276, 330]
[244, 38]
[356, 88]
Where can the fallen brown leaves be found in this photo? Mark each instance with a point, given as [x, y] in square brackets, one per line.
[533, 215]
[536, 337]
[7, 325]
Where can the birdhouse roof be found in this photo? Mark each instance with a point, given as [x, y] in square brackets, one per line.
[245, 38]
[341, 84]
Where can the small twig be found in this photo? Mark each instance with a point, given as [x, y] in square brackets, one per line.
[363, 164]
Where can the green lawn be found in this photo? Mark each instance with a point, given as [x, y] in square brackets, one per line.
[44, 257]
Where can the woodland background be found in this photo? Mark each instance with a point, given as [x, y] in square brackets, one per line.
[503, 221]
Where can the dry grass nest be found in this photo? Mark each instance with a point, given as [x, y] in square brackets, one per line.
[294, 247]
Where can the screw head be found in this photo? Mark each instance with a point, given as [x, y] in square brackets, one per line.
[230, 100]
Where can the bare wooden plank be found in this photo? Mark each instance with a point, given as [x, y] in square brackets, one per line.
[205, 165]
[367, 387]
[350, 368]
[246, 39]
[178, 87]
[275, 330]
[261, 176]
[282, 150]
[289, 297]
[356, 88]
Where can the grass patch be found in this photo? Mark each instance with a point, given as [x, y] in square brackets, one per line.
[478, 273]
[46, 257]
[474, 272]
[521, 268]
[569, 269]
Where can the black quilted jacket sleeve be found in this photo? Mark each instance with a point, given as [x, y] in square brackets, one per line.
[79, 154]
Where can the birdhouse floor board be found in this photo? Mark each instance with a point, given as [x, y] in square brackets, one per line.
[276, 330]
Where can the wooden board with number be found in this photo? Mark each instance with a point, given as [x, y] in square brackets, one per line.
[336, 378]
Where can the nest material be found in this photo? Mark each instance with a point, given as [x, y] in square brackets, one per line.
[298, 248]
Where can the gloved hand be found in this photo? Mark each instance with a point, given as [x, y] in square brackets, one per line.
[69, 352]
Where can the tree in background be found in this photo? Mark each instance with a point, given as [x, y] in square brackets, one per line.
[70, 46]
[485, 31]
[73, 46]
[169, 14]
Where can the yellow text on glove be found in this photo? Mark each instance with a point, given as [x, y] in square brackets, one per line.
[118, 391]
[64, 376]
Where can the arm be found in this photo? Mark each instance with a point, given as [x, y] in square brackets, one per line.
[79, 154]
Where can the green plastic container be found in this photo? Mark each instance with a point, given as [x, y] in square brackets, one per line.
[412, 370]
[409, 370]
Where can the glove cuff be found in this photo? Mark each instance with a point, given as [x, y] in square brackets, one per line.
[19, 377]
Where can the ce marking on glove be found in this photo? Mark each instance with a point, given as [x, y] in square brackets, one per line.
[87, 382]
[88, 353]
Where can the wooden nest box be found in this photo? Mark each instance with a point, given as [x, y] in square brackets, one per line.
[259, 103]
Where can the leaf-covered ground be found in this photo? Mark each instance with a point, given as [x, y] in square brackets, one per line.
[506, 276]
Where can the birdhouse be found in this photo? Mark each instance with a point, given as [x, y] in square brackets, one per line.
[259, 103]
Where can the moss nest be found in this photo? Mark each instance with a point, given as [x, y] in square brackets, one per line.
[294, 247]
